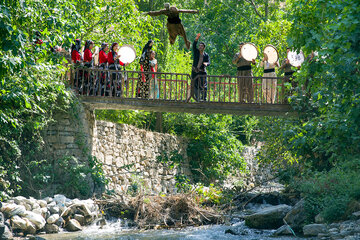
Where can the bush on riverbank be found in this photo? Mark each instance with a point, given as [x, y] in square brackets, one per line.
[333, 194]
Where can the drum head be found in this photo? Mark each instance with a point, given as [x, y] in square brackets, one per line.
[127, 54]
[249, 51]
[272, 53]
[296, 59]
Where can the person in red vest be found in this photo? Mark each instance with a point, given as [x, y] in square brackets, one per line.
[103, 57]
[103, 62]
[88, 63]
[114, 64]
[88, 56]
[75, 52]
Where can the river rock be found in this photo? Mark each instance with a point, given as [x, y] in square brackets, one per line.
[2, 218]
[48, 200]
[296, 216]
[314, 229]
[53, 218]
[7, 235]
[11, 209]
[36, 219]
[19, 200]
[30, 227]
[75, 208]
[35, 206]
[268, 218]
[18, 223]
[54, 210]
[73, 226]
[51, 228]
[60, 199]
[42, 203]
[283, 230]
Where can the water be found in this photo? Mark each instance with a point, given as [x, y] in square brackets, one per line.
[116, 231]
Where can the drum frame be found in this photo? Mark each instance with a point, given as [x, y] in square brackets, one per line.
[257, 51]
[270, 45]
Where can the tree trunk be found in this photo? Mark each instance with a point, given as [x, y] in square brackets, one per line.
[158, 125]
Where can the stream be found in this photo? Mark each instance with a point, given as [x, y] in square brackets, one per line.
[115, 230]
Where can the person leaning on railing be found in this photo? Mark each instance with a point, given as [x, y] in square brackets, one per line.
[245, 85]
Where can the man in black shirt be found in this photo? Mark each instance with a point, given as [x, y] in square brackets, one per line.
[198, 73]
[173, 25]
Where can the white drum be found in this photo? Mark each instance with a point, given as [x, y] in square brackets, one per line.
[296, 59]
[249, 51]
[127, 54]
[272, 53]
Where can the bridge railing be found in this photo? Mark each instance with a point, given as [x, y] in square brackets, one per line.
[246, 89]
[178, 86]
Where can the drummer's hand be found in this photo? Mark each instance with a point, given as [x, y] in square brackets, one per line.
[276, 64]
[127, 64]
[197, 36]
[287, 61]
[253, 61]
[298, 67]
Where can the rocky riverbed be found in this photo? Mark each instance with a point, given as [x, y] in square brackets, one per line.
[49, 215]
[22, 218]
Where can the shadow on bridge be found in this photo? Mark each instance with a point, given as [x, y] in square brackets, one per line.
[171, 92]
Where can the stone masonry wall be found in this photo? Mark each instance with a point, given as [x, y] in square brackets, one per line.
[121, 145]
[71, 134]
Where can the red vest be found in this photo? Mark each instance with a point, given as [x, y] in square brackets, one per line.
[75, 56]
[87, 55]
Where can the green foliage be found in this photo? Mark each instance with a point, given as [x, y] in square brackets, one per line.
[64, 175]
[208, 195]
[330, 193]
[213, 151]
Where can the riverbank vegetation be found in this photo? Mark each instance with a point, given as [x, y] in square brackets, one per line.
[317, 154]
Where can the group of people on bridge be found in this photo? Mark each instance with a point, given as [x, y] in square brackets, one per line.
[147, 85]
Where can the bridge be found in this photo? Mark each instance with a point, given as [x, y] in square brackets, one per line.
[116, 89]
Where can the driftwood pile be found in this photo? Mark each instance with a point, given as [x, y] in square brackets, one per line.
[160, 212]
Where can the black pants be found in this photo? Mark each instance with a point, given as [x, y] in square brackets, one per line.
[116, 79]
[199, 85]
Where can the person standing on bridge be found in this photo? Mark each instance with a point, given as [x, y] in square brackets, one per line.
[288, 75]
[154, 86]
[76, 60]
[174, 24]
[245, 85]
[75, 52]
[143, 84]
[268, 85]
[114, 64]
[198, 73]
[103, 62]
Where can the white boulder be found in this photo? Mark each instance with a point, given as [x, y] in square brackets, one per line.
[53, 218]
